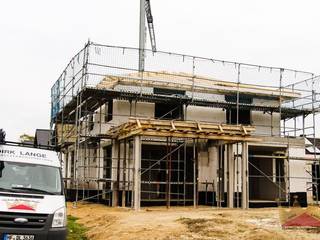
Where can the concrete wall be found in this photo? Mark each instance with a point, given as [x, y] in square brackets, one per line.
[206, 114]
[208, 157]
[122, 110]
[297, 171]
[265, 123]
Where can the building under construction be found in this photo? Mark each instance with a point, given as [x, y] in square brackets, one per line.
[185, 130]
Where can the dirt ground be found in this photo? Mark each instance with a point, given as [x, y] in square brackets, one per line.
[105, 223]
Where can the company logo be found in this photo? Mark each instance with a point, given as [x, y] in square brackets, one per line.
[21, 205]
[32, 154]
[4, 151]
[22, 153]
[21, 220]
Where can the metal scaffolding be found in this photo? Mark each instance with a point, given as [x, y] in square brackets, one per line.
[113, 161]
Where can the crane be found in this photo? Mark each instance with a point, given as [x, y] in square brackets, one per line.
[150, 25]
[145, 13]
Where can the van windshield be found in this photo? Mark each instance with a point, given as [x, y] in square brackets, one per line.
[29, 178]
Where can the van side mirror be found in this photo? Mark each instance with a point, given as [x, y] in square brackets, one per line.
[2, 136]
[1, 168]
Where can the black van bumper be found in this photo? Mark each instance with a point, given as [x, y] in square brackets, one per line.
[42, 232]
[51, 234]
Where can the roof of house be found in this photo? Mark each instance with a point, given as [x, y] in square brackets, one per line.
[42, 137]
[310, 145]
[317, 141]
[303, 220]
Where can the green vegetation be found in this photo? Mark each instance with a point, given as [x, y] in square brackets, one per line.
[76, 231]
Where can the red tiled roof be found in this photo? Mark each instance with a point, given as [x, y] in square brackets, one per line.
[303, 220]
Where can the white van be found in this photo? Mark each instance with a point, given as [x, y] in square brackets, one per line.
[32, 201]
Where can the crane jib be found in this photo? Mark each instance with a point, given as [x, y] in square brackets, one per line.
[150, 25]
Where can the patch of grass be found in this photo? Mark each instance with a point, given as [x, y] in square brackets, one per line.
[76, 231]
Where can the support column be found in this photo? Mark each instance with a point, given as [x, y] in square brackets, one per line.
[124, 170]
[230, 175]
[137, 172]
[245, 185]
[213, 152]
[195, 158]
[115, 153]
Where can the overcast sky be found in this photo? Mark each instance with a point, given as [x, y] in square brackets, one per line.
[39, 37]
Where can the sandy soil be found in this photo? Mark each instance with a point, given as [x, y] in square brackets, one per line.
[184, 223]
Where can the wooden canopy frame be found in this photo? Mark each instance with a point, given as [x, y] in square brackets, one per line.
[182, 129]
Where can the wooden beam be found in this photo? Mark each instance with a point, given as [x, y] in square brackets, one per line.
[138, 123]
[200, 136]
[199, 126]
[221, 129]
[173, 126]
[245, 130]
